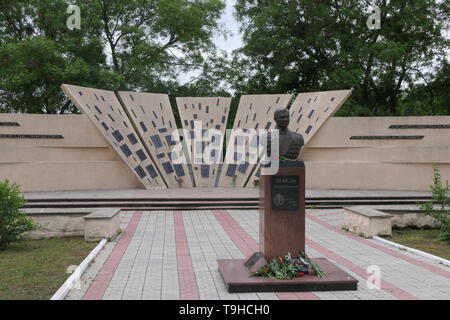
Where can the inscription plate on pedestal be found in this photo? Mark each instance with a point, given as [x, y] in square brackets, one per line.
[285, 193]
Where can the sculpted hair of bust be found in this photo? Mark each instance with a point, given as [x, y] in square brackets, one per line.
[290, 142]
[281, 116]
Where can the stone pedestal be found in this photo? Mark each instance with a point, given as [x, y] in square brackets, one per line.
[238, 279]
[282, 211]
[282, 231]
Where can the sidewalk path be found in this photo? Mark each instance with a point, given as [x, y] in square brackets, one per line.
[172, 255]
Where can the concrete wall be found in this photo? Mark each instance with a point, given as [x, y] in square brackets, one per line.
[334, 161]
[82, 160]
[93, 224]
[413, 220]
[58, 226]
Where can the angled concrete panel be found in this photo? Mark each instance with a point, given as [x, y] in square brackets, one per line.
[311, 110]
[207, 113]
[153, 119]
[254, 112]
[105, 111]
[308, 113]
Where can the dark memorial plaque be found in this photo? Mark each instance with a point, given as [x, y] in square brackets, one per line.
[9, 124]
[285, 191]
[31, 136]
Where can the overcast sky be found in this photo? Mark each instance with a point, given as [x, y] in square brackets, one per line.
[234, 39]
[232, 42]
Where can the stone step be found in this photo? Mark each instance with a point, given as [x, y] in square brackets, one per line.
[150, 202]
[142, 204]
[194, 199]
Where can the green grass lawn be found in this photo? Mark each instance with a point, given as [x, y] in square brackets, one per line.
[35, 269]
[424, 240]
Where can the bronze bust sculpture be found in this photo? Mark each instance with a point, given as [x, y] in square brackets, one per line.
[290, 142]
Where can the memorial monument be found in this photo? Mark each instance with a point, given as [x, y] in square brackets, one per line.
[282, 227]
[284, 213]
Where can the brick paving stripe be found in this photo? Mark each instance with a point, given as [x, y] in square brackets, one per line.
[187, 279]
[418, 263]
[248, 246]
[173, 255]
[103, 278]
[386, 286]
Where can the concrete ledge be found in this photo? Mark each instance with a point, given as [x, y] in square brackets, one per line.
[367, 221]
[57, 222]
[56, 211]
[102, 223]
[413, 220]
[92, 223]
[408, 216]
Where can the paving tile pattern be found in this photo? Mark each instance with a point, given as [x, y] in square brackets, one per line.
[173, 255]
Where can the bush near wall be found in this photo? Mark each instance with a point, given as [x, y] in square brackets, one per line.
[439, 205]
[13, 222]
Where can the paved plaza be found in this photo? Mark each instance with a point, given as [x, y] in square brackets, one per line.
[172, 255]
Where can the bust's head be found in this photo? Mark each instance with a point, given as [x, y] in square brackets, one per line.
[281, 117]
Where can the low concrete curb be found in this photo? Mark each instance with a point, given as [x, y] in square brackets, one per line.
[418, 252]
[76, 275]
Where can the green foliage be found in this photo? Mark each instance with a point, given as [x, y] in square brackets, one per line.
[439, 205]
[289, 46]
[122, 45]
[13, 222]
[308, 45]
[430, 97]
[39, 53]
[151, 42]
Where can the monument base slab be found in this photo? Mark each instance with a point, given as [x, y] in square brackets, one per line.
[238, 279]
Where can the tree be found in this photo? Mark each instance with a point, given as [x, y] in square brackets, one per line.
[39, 53]
[306, 45]
[122, 45]
[431, 96]
[152, 42]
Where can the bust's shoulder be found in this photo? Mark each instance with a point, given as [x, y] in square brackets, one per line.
[296, 137]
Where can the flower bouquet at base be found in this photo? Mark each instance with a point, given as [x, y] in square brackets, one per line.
[288, 268]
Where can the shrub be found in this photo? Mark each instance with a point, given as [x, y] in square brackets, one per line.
[13, 222]
[439, 205]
